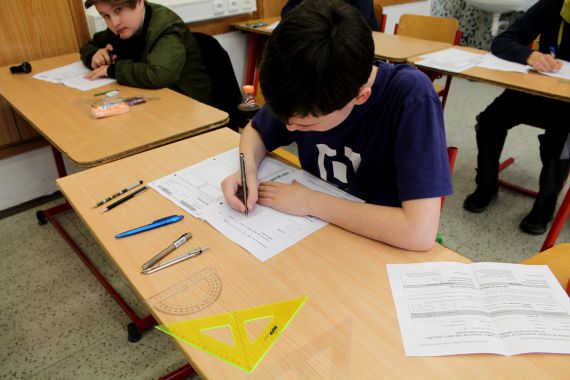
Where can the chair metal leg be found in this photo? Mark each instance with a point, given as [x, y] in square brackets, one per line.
[180, 374]
[558, 223]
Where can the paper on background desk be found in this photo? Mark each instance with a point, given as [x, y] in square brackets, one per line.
[72, 75]
[454, 308]
[493, 62]
[265, 231]
[272, 26]
[452, 59]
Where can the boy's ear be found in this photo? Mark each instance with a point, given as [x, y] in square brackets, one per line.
[363, 95]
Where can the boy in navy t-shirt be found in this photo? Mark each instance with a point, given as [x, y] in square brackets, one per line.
[374, 130]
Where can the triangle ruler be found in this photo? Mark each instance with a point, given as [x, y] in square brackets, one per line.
[244, 351]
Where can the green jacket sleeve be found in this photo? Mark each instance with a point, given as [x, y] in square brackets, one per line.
[164, 63]
[99, 40]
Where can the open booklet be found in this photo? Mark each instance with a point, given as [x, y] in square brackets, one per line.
[264, 232]
[447, 308]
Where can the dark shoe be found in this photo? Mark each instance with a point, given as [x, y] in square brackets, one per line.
[536, 221]
[479, 200]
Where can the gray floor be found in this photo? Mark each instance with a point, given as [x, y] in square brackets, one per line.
[56, 322]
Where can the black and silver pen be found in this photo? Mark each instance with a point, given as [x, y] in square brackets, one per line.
[111, 197]
[193, 253]
[243, 180]
[130, 196]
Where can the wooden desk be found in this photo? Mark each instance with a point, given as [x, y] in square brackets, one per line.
[348, 327]
[398, 49]
[532, 82]
[62, 115]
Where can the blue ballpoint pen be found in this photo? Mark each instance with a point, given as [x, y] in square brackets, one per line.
[157, 223]
[553, 51]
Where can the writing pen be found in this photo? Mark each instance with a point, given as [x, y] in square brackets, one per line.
[104, 92]
[243, 180]
[177, 243]
[130, 196]
[193, 253]
[111, 197]
[157, 223]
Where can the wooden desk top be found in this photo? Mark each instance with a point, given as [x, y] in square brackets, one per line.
[532, 82]
[62, 115]
[398, 49]
[389, 47]
[347, 328]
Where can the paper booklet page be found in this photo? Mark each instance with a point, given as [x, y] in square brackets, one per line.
[451, 308]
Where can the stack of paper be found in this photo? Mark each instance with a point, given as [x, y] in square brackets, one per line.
[493, 62]
[72, 75]
[265, 231]
[453, 60]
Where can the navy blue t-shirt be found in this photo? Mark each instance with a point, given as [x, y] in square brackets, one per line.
[390, 149]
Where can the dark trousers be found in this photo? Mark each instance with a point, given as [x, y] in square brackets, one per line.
[510, 109]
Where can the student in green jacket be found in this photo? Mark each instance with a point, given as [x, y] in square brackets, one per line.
[146, 45]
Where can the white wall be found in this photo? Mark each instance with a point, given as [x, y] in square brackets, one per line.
[393, 12]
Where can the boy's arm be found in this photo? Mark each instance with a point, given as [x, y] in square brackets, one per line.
[412, 227]
[254, 151]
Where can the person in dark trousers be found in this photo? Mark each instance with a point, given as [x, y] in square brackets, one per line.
[549, 19]
[370, 128]
[365, 7]
[146, 45]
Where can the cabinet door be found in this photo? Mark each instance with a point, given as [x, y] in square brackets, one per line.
[8, 129]
[34, 29]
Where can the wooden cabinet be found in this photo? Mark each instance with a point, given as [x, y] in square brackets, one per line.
[29, 30]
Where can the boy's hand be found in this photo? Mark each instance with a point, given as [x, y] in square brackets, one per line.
[292, 198]
[103, 57]
[543, 62]
[231, 187]
[100, 72]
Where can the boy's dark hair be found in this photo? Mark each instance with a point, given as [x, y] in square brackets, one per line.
[128, 3]
[316, 60]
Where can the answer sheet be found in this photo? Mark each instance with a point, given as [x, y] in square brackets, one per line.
[450, 308]
[72, 75]
[453, 60]
[264, 232]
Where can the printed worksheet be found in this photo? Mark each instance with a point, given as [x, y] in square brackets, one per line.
[72, 75]
[264, 232]
[453, 308]
[493, 62]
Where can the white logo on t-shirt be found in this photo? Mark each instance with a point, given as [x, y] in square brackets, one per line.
[338, 163]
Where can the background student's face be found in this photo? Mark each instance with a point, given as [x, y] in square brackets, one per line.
[121, 19]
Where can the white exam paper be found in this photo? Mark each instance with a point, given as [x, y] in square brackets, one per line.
[72, 75]
[562, 73]
[452, 59]
[450, 308]
[493, 62]
[264, 232]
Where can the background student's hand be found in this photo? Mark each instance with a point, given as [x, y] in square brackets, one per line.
[231, 187]
[543, 62]
[100, 72]
[103, 57]
[292, 198]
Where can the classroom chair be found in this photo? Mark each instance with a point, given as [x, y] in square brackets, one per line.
[558, 260]
[380, 16]
[226, 91]
[440, 29]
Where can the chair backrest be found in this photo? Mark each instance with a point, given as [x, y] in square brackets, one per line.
[441, 29]
[226, 91]
[558, 260]
[379, 13]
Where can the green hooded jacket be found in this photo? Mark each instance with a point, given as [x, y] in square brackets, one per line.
[171, 57]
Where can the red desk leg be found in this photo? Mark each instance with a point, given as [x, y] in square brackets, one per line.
[138, 325]
[180, 374]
